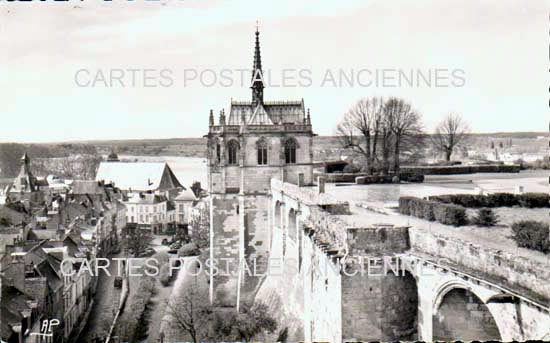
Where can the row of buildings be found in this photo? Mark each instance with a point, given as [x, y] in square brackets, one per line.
[45, 221]
[155, 197]
[46, 235]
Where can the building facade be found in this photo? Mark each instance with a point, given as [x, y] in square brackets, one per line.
[258, 140]
[150, 210]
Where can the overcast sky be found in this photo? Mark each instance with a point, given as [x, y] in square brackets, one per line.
[498, 49]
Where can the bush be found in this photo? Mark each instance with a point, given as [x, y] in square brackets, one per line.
[485, 217]
[531, 234]
[530, 200]
[450, 214]
[351, 168]
[404, 205]
[189, 249]
[462, 169]
[428, 212]
[411, 177]
[431, 210]
[502, 200]
[534, 200]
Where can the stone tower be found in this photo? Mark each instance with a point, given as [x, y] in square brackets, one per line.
[256, 142]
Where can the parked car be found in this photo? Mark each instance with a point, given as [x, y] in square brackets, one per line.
[147, 252]
[174, 247]
[118, 282]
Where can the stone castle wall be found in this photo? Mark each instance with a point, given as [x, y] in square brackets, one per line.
[225, 243]
[530, 277]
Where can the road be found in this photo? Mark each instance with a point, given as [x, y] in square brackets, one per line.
[104, 308]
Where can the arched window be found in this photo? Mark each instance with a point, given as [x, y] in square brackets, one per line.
[290, 151]
[218, 152]
[261, 145]
[232, 152]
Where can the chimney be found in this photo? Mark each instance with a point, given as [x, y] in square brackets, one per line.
[321, 184]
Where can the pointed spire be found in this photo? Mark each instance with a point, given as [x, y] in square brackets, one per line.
[222, 117]
[25, 158]
[211, 118]
[308, 120]
[257, 75]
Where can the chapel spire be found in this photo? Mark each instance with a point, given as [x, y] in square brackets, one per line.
[257, 75]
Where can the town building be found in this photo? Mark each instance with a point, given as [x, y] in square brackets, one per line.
[113, 157]
[139, 177]
[26, 187]
[39, 229]
[183, 203]
[150, 210]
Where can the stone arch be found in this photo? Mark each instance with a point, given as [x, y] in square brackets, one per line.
[459, 313]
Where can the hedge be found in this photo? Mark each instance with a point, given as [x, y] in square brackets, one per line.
[433, 211]
[529, 200]
[352, 177]
[459, 169]
[532, 235]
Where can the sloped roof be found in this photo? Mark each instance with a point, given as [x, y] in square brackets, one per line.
[186, 195]
[13, 302]
[14, 213]
[260, 117]
[146, 198]
[276, 111]
[87, 187]
[138, 176]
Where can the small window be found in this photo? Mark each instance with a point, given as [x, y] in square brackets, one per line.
[262, 151]
[218, 152]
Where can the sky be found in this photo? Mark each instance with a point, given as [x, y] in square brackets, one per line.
[92, 69]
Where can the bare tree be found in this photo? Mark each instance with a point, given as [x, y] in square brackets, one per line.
[80, 167]
[360, 128]
[200, 225]
[403, 122]
[191, 312]
[449, 134]
[254, 321]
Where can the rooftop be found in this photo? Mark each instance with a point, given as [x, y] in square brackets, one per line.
[145, 198]
[138, 176]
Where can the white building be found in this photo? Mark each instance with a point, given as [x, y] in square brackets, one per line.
[149, 209]
[183, 203]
